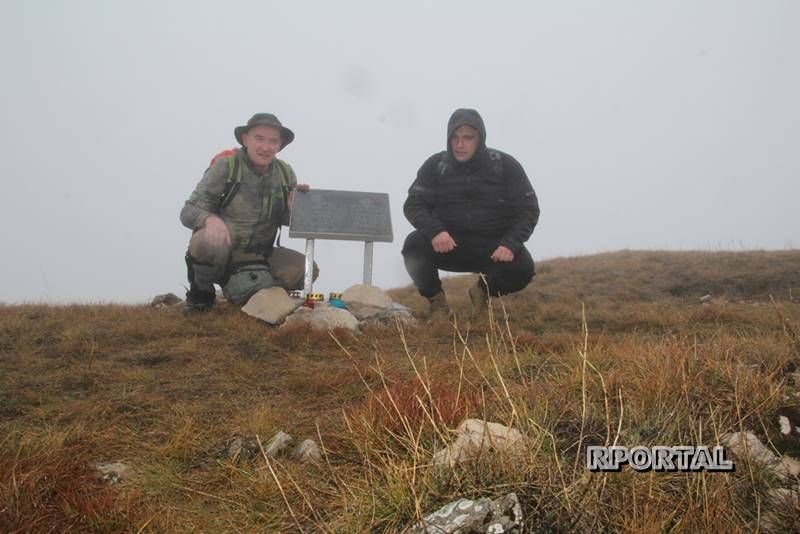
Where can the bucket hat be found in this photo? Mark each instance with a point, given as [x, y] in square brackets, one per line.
[265, 119]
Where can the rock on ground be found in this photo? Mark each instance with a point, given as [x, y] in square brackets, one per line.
[278, 444]
[745, 445]
[271, 305]
[465, 516]
[475, 435]
[114, 472]
[364, 301]
[165, 300]
[306, 451]
[240, 447]
[323, 317]
[388, 316]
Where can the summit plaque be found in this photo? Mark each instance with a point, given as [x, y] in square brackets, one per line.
[345, 215]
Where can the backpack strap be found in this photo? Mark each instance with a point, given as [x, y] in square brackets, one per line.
[283, 171]
[232, 183]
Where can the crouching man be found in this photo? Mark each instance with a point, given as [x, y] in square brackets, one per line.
[235, 213]
[473, 207]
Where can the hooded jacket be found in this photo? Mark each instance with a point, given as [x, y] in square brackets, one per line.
[488, 197]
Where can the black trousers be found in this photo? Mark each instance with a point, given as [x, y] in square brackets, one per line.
[472, 255]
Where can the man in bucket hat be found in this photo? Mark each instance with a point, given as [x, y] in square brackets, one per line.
[235, 213]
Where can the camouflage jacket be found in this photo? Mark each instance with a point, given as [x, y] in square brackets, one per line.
[254, 214]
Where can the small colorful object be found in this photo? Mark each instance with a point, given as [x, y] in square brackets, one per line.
[335, 299]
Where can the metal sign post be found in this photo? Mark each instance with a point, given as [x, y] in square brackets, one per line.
[368, 263]
[308, 285]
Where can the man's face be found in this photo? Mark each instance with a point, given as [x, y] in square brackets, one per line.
[262, 143]
[464, 142]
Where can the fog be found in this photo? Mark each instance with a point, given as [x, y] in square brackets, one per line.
[642, 125]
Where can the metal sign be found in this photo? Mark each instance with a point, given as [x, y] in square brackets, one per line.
[345, 215]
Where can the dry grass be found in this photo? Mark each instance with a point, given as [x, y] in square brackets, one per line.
[613, 348]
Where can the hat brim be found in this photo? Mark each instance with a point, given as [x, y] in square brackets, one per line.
[287, 136]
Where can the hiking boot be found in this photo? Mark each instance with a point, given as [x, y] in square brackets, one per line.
[479, 299]
[438, 306]
[198, 301]
[195, 308]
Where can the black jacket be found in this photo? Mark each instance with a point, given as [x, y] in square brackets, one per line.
[488, 197]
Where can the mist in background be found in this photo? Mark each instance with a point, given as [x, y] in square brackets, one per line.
[642, 125]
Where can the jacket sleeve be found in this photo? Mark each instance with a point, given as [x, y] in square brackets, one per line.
[204, 200]
[418, 207]
[525, 205]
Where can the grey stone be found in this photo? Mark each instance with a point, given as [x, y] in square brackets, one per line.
[165, 300]
[271, 305]
[278, 444]
[787, 467]
[306, 451]
[240, 447]
[389, 316]
[476, 435]
[246, 447]
[747, 445]
[465, 516]
[114, 472]
[323, 317]
[364, 301]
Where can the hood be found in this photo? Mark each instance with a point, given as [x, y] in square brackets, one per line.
[469, 117]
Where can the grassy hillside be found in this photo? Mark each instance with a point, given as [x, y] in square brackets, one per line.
[604, 348]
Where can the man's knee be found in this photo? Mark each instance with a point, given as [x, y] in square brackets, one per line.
[204, 253]
[522, 272]
[416, 244]
[514, 276]
[288, 267]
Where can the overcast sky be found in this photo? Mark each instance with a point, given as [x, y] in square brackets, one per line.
[642, 125]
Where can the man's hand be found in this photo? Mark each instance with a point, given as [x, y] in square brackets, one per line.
[216, 231]
[502, 253]
[442, 242]
[299, 187]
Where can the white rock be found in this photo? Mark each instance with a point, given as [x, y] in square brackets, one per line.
[114, 472]
[747, 445]
[279, 443]
[787, 467]
[271, 305]
[166, 300]
[501, 515]
[365, 301]
[323, 317]
[306, 451]
[786, 425]
[475, 435]
[389, 316]
[784, 466]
